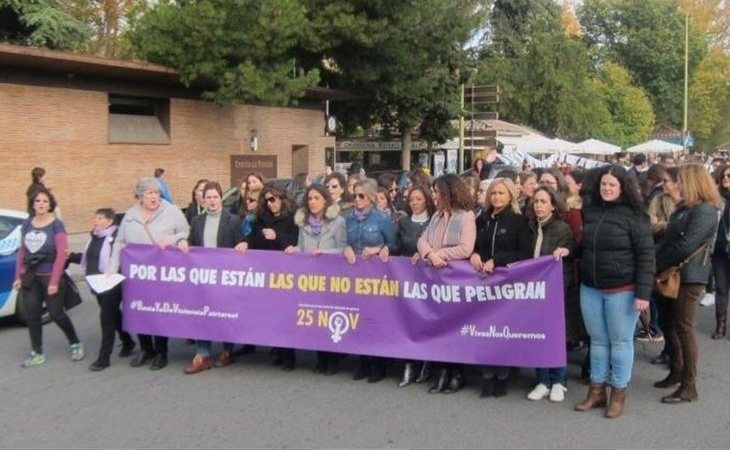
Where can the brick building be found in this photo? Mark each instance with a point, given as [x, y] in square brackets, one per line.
[97, 125]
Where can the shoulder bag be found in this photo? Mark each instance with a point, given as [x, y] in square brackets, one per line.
[667, 282]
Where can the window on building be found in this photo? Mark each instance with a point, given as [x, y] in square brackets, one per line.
[138, 120]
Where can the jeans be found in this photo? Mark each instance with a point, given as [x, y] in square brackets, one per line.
[610, 320]
[205, 346]
[33, 298]
[556, 375]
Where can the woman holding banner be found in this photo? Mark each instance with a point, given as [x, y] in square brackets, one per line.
[616, 273]
[450, 236]
[150, 221]
[410, 229]
[503, 237]
[274, 229]
[551, 236]
[215, 228]
[321, 230]
[369, 233]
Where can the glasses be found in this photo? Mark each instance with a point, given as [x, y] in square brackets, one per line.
[392, 190]
[726, 175]
[333, 186]
[360, 196]
[271, 199]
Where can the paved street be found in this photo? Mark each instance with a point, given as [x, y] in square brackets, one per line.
[253, 404]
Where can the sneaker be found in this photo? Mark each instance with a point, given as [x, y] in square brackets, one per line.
[538, 393]
[557, 393]
[77, 352]
[34, 359]
[708, 299]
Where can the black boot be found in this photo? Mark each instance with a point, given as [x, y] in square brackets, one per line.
[456, 383]
[441, 381]
[321, 365]
[487, 387]
[333, 364]
[101, 363]
[363, 369]
[377, 371]
[500, 388]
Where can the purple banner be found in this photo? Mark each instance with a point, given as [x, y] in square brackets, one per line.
[514, 317]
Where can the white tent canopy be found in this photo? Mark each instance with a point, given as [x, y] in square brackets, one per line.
[596, 147]
[655, 146]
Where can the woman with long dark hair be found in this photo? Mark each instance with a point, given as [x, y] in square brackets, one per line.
[721, 256]
[449, 236]
[321, 230]
[616, 272]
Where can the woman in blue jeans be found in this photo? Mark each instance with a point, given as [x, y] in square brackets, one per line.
[616, 272]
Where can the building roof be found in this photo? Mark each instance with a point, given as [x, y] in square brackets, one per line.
[73, 64]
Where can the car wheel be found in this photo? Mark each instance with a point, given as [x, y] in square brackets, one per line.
[20, 311]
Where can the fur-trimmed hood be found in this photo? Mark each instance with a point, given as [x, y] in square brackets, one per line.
[333, 211]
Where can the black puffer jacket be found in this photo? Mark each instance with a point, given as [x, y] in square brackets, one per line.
[505, 238]
[687, 230]
[617, 249]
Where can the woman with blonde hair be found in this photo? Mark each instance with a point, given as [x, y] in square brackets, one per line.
[688, 241]
[503, 237]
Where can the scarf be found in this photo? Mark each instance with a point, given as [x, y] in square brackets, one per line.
[315, 224]
[106, 248]
[361, 214]
[420, 218]
[540, 235]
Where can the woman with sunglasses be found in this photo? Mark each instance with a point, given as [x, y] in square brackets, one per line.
[449, 236]
[274, 229]
[370, 233]
[336, 185]
[321, 230]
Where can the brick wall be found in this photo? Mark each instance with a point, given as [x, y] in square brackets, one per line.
[65, 131]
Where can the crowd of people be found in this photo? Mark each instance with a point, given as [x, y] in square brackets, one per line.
[614, 228]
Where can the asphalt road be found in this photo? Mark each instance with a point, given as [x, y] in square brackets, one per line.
[252, 404]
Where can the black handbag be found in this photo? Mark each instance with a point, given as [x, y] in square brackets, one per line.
[69, 292]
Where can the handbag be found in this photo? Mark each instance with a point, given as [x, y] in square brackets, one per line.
[69, 292]
[667, 282]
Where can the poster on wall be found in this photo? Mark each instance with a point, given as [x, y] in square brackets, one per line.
[439, 164]
[243, 165]
[452, 160]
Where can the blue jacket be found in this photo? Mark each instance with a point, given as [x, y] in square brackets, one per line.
[375, 230]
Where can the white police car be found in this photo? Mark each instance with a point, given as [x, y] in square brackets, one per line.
[10, 224]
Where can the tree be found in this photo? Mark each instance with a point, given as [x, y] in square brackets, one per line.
[107, 21]
[43, 23]
[542, 71]
[646, 37]
[710, 101]
[244, 49]
[632, 116]
[403, 58]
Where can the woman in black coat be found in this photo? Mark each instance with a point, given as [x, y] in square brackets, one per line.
[274, 229]
[503, 237]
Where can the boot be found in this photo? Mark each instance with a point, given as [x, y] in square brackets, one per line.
[363, 369]
[456, 383]
[617, 402]
[686, 393]
[671, 379]
[441, 382]
[595, 399]
[408, 375]
[425, 372]
[321, 365]
[721, 327]
[487, 387]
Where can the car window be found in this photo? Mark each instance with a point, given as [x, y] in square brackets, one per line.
[8, 224]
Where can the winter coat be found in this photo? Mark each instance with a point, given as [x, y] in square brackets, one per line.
[332, 238]
[556, 233]
[722, 243]
[504, 238]
[687, 230]
[286, 232]
[229, 230]
[617, 249]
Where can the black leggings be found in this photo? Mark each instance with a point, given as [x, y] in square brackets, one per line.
[33, 298]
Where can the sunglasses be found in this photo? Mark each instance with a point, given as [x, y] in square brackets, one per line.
[726, 175]
[360, 196]
[271, 199]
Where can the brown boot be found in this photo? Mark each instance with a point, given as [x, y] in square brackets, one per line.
[595, 399]
[721, 327]
[617, 402]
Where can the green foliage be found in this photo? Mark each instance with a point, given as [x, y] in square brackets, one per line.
[43, 23]
[245, 48]
[646, 37]
[710, 101]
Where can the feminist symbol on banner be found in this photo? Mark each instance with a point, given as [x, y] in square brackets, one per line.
[338, 324]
